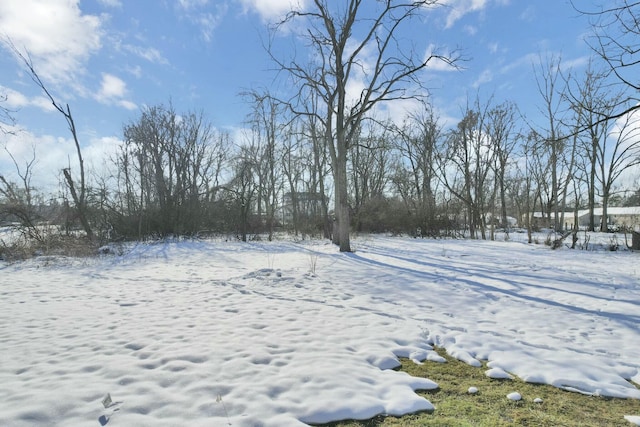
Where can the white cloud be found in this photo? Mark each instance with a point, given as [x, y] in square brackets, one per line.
[208, 22]
[579, 62]
[189, 4]
[471, 30]
[135, 71]
[112, 86]
[150, 54]
[532, 59]
[55, 33]
[272, 9]
[99, 154]
[111, 3]
[127, 104]
[527, 60]
[459, 8]
[398, 110]
[52, 154]
[43, 103]
[485, 77]
[17, 100]
[200, 14]
[627, 128]
[354, 88]
[113, 90]
[529, 14]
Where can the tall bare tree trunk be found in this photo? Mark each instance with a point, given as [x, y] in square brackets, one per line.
[78, 194]
[342, 202]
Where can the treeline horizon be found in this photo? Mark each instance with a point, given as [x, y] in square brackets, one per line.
[176, 175]
[322, 162]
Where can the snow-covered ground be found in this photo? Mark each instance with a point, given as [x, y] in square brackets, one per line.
[216, 333]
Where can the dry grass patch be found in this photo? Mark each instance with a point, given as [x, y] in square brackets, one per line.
[48, 245]
[455, 407]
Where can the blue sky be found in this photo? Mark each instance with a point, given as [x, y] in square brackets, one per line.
[110, 58]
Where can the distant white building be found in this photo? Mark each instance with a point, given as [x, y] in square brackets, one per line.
[616, 216]
[621, 217]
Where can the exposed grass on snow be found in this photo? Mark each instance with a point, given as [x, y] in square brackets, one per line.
[455, 407]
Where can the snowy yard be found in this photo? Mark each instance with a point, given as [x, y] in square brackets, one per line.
[216, 333]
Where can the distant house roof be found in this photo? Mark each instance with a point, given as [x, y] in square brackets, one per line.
[630, 210]
[545, 214]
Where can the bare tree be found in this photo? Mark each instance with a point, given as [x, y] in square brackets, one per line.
[266, 128]
[357, 39]
[590, 100]
[319, 169]
[416, 141]
[539, 168]
[548, 76]
[500, 127]
[6, 115]
[526, 187]
[569, 161]
[17, 199]
[611, 146]
[369, 169]
[167, 164]
[465, 165]
[616, 40]
[293, 168]
[616, 153]
[243, 187]
[78, 190]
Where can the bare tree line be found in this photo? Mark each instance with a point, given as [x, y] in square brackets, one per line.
[323, 163]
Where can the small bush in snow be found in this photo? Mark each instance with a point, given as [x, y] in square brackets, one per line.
[313, 263]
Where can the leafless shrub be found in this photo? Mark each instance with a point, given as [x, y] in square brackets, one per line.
[313, 263]
[585, 243]
[49, 243]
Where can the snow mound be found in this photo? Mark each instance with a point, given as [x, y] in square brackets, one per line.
[498, 374]
[515, 396]
[633, 419]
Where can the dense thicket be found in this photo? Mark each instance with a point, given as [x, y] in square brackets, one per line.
[175, 174]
